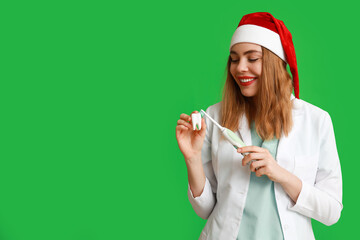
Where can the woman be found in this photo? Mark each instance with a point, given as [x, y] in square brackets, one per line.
[291, 172]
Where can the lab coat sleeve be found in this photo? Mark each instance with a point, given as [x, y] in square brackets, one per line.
[204, 204]
[322, 201]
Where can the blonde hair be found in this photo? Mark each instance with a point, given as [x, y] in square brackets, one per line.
[270, 108]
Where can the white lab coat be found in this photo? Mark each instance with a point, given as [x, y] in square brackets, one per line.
[309, 152]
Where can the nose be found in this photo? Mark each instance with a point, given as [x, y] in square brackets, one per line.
[242, 66]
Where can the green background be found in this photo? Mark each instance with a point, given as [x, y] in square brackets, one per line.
[91, 92]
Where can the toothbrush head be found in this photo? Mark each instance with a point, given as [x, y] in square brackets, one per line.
[202, 112]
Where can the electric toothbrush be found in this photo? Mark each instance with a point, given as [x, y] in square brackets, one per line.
[228, 134]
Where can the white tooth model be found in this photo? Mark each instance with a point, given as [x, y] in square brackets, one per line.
[196, 121]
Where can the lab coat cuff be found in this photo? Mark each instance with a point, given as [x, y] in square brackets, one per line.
[203, 204]
[204, 195]
[301, 204]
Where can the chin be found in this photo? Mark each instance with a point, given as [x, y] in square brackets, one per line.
[248, 93]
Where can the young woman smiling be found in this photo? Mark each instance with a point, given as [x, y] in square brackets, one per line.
[295, 172]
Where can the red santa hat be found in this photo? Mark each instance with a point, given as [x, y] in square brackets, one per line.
[263, 29]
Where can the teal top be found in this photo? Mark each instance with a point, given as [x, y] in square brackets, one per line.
[260, 218]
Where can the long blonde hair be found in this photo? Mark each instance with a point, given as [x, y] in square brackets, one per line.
[270, 108]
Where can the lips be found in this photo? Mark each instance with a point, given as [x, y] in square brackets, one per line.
[246, 80]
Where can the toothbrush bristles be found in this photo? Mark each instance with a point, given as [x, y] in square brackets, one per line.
[218, 125]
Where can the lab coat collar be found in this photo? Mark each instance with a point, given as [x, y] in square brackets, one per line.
[292, 97]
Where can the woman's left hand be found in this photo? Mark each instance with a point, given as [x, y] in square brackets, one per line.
[264, 163]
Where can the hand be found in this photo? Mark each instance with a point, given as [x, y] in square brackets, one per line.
[190, 142]
[263, 163]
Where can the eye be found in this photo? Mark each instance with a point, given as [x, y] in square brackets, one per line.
[253, 59]
[233, 60]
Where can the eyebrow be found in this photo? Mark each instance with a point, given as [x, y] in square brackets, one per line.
[247, 52]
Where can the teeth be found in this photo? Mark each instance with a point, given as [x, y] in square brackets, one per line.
[247, 80]
[196, 121]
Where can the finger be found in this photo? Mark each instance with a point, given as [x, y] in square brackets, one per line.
[185, 117]
[179, 130]
[184, 123]
[252, 156]
[256, 165]
[203, 127]
[181, 127]
[251, 149]
[260, 172]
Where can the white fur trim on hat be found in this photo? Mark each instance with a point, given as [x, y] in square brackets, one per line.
[261, 36]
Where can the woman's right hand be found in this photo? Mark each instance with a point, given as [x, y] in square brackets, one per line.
[190, 141]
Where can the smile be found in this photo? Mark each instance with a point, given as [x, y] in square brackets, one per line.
[247, 80]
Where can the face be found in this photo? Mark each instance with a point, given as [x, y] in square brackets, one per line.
[245, 67]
